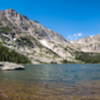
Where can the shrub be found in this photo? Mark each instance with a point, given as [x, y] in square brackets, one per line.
[5, 29]
[88, 57]
[9, 55]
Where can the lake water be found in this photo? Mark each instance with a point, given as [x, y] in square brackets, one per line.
[64, 73]
[52, 82]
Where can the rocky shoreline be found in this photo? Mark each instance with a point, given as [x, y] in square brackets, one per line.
[7, 66]
[21, 90]
[3, 96]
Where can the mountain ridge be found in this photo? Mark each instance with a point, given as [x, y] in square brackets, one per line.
[19, 31]
[38, 43]
[89, 44]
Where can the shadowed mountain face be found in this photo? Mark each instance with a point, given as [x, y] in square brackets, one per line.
[38, 43]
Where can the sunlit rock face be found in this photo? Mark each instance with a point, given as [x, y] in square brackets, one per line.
[89, 44]
[38, 43]
[32, 39]
[6, 66]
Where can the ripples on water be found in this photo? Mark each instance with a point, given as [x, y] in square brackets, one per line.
[67, 73]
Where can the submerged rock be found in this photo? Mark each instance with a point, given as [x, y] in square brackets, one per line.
[10, 66]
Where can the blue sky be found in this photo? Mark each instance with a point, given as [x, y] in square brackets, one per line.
[72, 18]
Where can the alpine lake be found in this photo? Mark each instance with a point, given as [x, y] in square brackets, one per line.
[52, 82]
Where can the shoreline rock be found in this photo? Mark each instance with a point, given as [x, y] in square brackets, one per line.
[7, 66]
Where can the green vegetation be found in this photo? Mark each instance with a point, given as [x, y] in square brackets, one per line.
[88, 57]
[64, 61]
[5, 29]
[23, 41]
[9, 55]
[4, 38]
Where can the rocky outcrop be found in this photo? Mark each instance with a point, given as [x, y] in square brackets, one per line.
[6, 66]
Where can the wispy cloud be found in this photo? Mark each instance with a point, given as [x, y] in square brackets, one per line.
[75, 36]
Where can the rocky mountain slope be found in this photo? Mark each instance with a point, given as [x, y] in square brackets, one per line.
[38, 43]
[89, 49]
[89, 44]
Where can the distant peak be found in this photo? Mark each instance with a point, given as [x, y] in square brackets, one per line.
[11, 11]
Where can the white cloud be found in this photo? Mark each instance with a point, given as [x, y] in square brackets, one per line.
[75, 36]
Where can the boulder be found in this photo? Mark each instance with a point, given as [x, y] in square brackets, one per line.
[10, 66]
